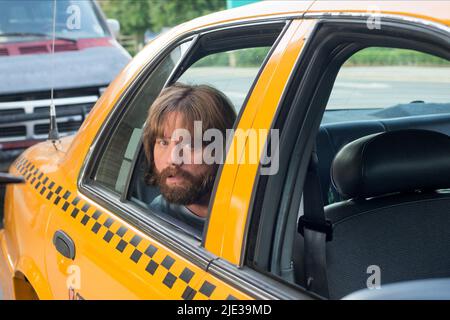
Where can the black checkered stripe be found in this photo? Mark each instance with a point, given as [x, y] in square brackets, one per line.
[113, 233]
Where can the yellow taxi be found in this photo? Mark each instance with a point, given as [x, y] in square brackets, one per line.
[350, 197]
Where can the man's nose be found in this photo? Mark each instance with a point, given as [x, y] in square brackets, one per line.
[175, 155]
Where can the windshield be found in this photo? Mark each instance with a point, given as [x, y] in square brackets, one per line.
[21, 20]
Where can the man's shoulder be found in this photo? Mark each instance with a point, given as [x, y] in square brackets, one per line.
[159, 203]
[177, 211]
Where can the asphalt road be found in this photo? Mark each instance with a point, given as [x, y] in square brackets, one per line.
[355, 87]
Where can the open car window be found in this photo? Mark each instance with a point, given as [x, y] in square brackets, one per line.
[227, 60]
[116, 159]
[382, 89]
[231, 72]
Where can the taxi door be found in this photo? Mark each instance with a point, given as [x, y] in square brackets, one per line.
[102, 242]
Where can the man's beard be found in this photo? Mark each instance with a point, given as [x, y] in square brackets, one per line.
[192, 190]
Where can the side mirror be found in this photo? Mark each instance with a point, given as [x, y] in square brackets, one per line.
[6, 178]
[114, 26]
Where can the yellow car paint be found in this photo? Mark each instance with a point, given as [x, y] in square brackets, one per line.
[119, 261]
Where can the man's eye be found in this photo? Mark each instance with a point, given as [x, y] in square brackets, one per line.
[162, 143]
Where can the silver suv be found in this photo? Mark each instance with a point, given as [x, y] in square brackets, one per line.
[87, 57]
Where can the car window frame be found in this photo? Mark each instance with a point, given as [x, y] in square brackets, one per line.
[311, 118]
[182, 243]
[184, 66]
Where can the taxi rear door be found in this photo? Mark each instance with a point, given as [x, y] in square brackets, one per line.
[102, 241]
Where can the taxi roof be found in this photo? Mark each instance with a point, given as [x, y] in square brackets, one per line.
[436, 11]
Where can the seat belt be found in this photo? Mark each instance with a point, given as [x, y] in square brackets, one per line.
[316, 231]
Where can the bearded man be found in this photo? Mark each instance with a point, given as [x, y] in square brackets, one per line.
[185, 184]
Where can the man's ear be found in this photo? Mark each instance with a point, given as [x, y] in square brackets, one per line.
[148, 169]
[149, 179]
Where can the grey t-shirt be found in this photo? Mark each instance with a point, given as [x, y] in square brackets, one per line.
[178, 212]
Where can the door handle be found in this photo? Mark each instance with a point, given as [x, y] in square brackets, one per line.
[64, 244]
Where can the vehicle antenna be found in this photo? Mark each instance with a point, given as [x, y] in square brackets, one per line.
[53, 134]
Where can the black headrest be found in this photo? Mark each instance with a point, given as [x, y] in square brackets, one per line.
[390, 162]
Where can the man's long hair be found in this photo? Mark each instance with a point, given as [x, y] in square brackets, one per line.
[196, 103]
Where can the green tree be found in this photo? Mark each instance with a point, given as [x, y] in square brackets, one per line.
[137, 16]
[168, 13]
[133, 15]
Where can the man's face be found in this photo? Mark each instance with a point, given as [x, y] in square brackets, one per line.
[184, 183]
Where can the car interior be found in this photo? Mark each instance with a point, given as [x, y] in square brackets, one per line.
[397, 212]
[334, 136]
[390, 186]
[384, 186]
